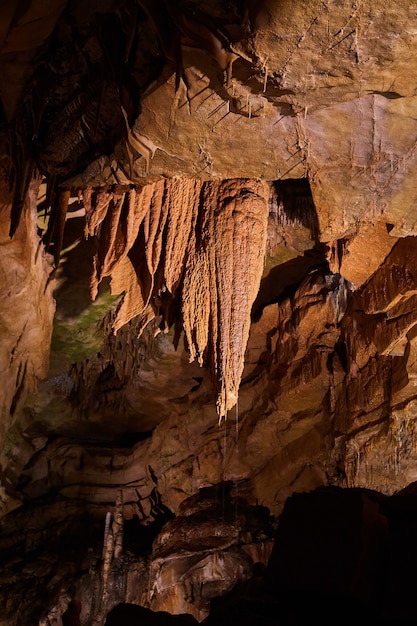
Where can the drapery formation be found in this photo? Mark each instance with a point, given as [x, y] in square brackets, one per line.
[186, 250]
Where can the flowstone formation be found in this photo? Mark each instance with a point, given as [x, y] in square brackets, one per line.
[207, 261]
[204, 240]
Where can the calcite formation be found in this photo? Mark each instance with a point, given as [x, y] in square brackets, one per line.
[204, 240]
[207, 210]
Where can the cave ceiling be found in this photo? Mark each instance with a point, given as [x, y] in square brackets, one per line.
[208, 243]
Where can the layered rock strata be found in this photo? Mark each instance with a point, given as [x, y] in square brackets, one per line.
[246, 178]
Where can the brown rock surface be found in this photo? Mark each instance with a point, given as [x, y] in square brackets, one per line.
[242, 177]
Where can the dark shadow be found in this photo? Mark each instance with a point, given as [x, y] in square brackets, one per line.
[295, 200]
[71, 616]
[75, 270]
[341, 556]
[74, 273]
[133, 615]
[291, 204]
[137, 537]
[284, 279]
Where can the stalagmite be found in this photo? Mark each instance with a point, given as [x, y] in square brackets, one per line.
[112, 549]
[108, 551]
[117, 527]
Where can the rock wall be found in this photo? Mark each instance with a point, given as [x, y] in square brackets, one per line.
[326, 398]
[241, 177]
[26, 323]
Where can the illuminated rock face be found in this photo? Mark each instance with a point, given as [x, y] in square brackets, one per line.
[230, 194]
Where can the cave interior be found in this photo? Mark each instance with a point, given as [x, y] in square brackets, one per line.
[208, 244]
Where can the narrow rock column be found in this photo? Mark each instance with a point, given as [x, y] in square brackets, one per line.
[112, 549]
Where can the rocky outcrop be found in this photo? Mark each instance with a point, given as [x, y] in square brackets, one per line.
[215, 540]
[26, 321]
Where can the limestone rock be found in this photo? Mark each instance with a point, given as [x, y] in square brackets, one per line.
[240, 176]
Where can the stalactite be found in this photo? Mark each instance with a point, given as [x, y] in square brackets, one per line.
[109, 246]
[153, 226]
[182, 222]
[233, 247]
[124, 280]
[200, 243]
[96, 205]
[196, 313]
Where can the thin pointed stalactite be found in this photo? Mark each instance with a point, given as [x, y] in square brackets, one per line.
[198, 244]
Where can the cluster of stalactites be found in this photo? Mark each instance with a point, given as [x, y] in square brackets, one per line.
[186, 250]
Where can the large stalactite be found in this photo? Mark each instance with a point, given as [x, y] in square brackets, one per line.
[187, 246]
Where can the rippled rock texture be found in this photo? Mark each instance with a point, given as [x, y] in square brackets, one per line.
[208, 278]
